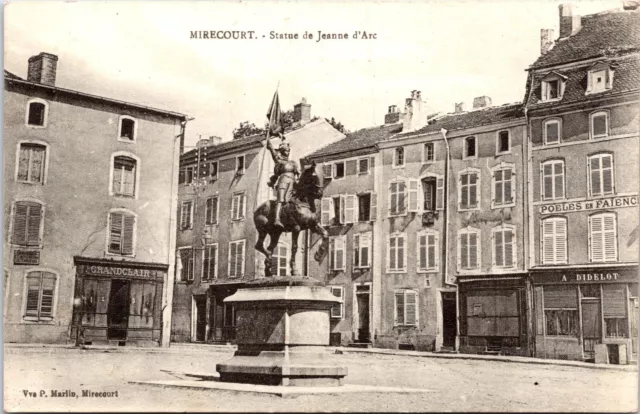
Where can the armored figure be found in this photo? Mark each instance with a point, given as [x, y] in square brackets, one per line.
[285, 172]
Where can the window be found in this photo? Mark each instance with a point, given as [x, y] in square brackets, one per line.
[469, 249]
[428, 152]
[397, 196]
[553, 240]
[210, 262]
[614, 310]
[213, 171]
[186, 263]
[503, 145]
[551, 89]
[280, 259]
[31, 163]
[603, 238]
[427, 244]
[338, 170]
[601, 180]
[337, 252]
[127, 131]
[362, 250]
[503, 189]
[27, 223]
[37, 113]
[552, 180]
[363, 166]
[337, 311]
[240, 165]
[504, 252]
[124, 176]
[406, 308]
[561, 310]
[552, 131]
[40, 295]
[398, 157]
[186, 175]
[121, 233]
[364, 207]
[229, 315]
[186, 215]
[600, 124]
[238, 205]
[432, 193]
[600, 78]
[236, 258]
[211, 211]
[470, 148]
[468, 193]
[397, 253]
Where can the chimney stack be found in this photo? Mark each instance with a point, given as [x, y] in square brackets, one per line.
[414, 116]
[215, 140]
[569, 24]
[302, 112]
[481, 102]
[42, 69]
[460, 108]
[546, 40]
[393, 116]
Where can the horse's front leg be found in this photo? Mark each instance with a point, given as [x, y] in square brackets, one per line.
[318, 229]
[294, 251]
[273, 244]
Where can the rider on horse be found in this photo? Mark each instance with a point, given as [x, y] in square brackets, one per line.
[285, 172]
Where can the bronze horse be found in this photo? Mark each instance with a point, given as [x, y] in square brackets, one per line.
[297, 215]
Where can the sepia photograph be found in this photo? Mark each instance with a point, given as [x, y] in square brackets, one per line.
[288, 206]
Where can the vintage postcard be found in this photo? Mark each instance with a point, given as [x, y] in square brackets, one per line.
[373, 206]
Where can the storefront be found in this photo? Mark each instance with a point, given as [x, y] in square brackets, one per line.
[586, 313]
[493, 314]
[118, 302]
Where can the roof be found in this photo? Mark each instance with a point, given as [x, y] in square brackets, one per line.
[602, 34]
[471, 119]
[15, 79]
[626, 78]
[363, 138]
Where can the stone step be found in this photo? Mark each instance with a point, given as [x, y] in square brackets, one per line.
[360, 345]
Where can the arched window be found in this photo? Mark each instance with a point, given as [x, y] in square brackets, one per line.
[127, 129]
[36, 115]
[124, 175]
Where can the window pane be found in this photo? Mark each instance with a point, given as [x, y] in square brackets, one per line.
[552, 132]
[600, 125]
[36, 114]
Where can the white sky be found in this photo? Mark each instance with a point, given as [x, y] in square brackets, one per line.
[141, 52]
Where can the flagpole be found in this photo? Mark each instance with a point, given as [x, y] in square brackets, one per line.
[264, 154]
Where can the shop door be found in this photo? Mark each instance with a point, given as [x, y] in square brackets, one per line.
[449, 319]
[200, 303]
[633, 307]
[118, 310]
[591, 327]
[362, 296]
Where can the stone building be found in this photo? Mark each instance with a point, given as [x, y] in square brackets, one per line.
[89, 212]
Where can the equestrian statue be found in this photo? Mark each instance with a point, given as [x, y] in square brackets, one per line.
[294, 209]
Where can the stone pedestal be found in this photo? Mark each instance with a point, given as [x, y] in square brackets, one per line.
[282, 332]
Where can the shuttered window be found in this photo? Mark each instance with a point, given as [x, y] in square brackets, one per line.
[121, 233]
[327, 172]
[211, 212]
[337, 311]
[554, 240]
[397, 253]
[561, 310]
[362, 250]
[503, 188]
[603, 238]
[40, 295]
[326, 213]
[27, 219]
[236, 258]
[601, 175]
[468, 190]
[406, 308]
[337, 253]
[210, 262]
[124, 176]
[468, 250]
[350, 204]
[186, 264]
[31, 163]
[427, 244]
[504, 251]
[397, 198]
[186, 215]
[552, 177]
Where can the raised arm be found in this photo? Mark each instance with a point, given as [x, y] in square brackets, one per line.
[274, 153]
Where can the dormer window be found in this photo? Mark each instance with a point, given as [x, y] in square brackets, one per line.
[553, 86]
[599, 78]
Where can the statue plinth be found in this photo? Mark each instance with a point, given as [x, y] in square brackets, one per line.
[282, 333]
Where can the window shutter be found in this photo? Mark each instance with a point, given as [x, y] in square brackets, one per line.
[373, 206]
[607, 175]
[365, 249]
[400, 308]
[325, 214]
[432, 251]
[356, 250]
[414, 186]
[473, 250]
[594, 168]
[332, 253]
[508, 178]
[614, 299]
[115, 233]
[548, 241]
[340, 252]
[498, 187]
[560, 241]
[463, 257]
[402, 197]
[440, 194]
[393, 199]
[350, 208]
[392, 253]
[33, 226]
[127, 235]
[232, 259]
[342, 209]
[327, 172]
[498, 248]
[560, 297]
[473, 190]
[20, 214]
[422, 251]
[610, 239]
[596, 233]
[411, 310]
[402, 254]
[240, 260]
[509, 251]
[48, 288]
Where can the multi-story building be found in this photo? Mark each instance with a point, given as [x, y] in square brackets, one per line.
[90, 196]
[221, 184]
[582, 112]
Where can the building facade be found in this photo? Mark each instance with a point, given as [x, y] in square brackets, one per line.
[89, 211]
[582, 113]
[221, 184]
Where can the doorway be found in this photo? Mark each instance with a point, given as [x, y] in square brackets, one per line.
[364, 326]
[200, 316]
[449, 316]
[118, 310]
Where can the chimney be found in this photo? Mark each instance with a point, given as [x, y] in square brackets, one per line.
[414, 114]
[302, 112]
[215, 140]
[203, 142]
[42, 69]
[569, 24]
[460, 108]
[393, 116]
[481, 102]
[546, 40]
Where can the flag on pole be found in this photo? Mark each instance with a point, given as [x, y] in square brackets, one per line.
[274, 114]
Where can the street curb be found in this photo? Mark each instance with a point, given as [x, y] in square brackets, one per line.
[497, 358]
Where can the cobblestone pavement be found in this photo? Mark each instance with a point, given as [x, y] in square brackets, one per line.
[456, 385]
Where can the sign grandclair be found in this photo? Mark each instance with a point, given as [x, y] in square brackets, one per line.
[96, 270]
[612, 202]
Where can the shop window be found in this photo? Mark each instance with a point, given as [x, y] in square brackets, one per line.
[27, 223]
[40, 296]
[211, 211]
[552, 179]
[236, 258]
[616, 327]
[127, 129]
[503, 143]
[337, 253]
[397, 197]
[590, 291]
[554, 240]
[186, 215]
[503, 188]
[280, 260]
[406, 308]
[337, 311]
[229, 315]
[238, 206]
[468, 194]
[123, 176]
[601, 180]
[186, 263]
[427, 244]
[492, 314]
[468, 249]
[210, 262]
[603, 238]
[397, 253]
[142, 307]
[121, 233]
[362, 250]
[31, 163]
[552, 131]
[398, 157]
[614, 310]
[561, 310]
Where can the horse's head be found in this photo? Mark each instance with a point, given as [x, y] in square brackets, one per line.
[309, 183]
